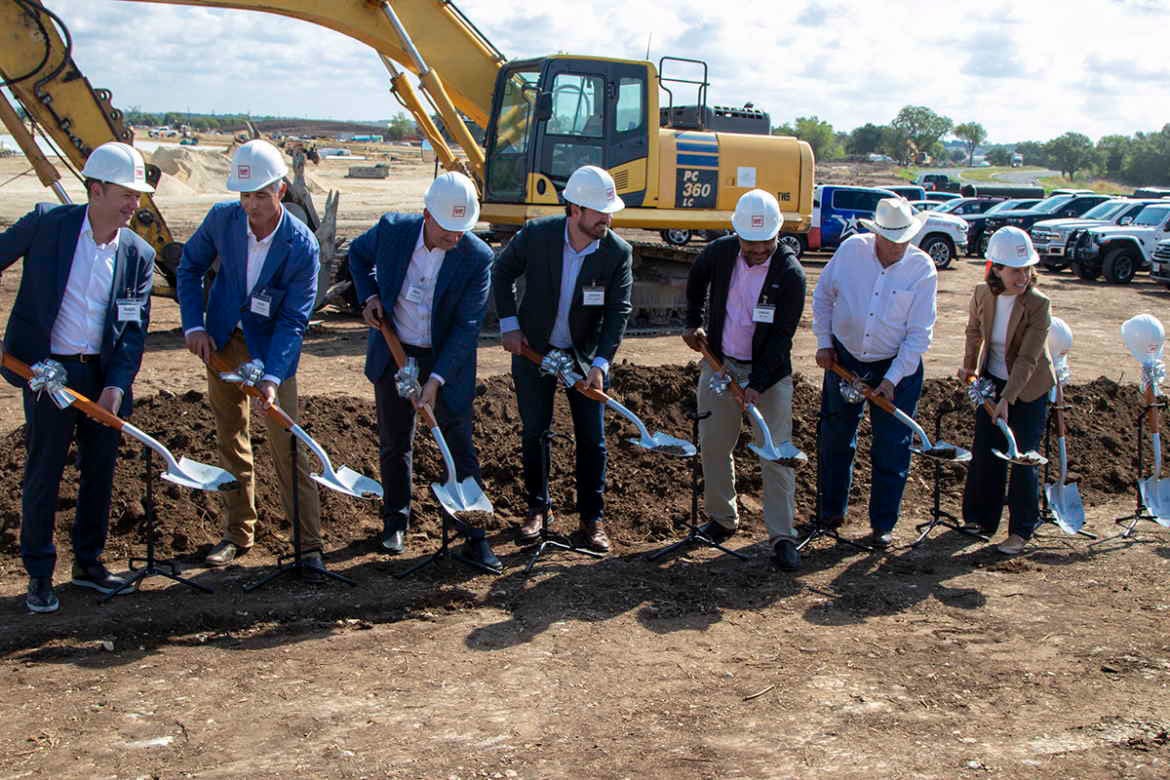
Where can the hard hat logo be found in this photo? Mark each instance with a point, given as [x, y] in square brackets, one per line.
[245, 172]
[139, 172]
[757, 220]
[610, 193]
[458, 212]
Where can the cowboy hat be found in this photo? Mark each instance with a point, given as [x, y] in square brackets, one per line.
[895, 219]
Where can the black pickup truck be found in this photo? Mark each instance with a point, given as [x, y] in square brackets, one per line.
[1050, 208]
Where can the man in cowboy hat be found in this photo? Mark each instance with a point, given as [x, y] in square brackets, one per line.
[873, 312]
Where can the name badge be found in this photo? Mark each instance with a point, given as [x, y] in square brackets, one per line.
[129, 310]
[764, 312]
[414, 295]
[262, 304]
[594, 296]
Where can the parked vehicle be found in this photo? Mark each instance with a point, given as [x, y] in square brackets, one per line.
[1017, 160]
[837, 209]
[1069, 191]
[907, 191]
[1119, 252]
[1160, 263]
[942, 197]
[1151, 192]
[1051, 236]
[926, 205]
[977, 222]
[937, 182]
[1050, 208]
[965, 207]
[1001, 191]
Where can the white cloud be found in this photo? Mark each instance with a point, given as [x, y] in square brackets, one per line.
[1025, 71]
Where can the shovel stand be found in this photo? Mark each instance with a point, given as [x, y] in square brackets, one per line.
[151, 566]
[694, 535]
[819, 529]
[1046, 515]
[1130, 522]
[294, 562]
[452, 529]
[547, 538]
[938, 515]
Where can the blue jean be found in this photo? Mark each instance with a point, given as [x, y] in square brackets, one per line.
[535, 394]
[987, 475]
[48, 433]
[889, 450]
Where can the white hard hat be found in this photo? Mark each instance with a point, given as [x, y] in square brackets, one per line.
[255, 165]
[1144, 337]
[117, 163]
[1011, 247]
[453, 202]
[593, 188]
[757, 216]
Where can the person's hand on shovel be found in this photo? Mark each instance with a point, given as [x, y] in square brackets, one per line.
[200, 344]
[110, 399]
[596, 379]
[267, 395]
[429, 395]
[514, 341]
[373, 312]
[885, 388]
[693, 337]
[826, 358]
[1001, 411]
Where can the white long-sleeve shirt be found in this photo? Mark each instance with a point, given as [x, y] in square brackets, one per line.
[877, 313]
[416, 300]
[81, 320]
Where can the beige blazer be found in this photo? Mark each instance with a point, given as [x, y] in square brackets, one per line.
[1030, 372]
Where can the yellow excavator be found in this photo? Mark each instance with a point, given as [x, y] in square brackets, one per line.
[679, 168]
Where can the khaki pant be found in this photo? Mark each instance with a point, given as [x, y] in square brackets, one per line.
[232, 424]
[718, 435]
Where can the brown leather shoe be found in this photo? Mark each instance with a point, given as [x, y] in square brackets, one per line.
[224, 553]
[592, 533]
[529, 531]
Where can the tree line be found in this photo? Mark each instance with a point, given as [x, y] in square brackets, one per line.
[917, 134]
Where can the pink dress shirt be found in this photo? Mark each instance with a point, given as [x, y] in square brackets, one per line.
[742, 297]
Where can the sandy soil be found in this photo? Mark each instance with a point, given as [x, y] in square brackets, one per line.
[938, 661]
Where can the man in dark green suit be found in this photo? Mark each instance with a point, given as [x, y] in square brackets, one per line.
[578, 275]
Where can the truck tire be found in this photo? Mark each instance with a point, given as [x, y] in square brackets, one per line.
[793, 242]
[1054, 267]
[984, 237]
[676, 236]
[1086, 272]
[940, 249]
[1120, 265]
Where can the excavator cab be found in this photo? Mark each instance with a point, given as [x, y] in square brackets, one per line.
[552, 115]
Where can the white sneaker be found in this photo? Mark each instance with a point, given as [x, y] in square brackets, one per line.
[1013, 545]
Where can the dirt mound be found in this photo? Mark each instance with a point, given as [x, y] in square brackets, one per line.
[201, 171]
[171, 187]
[648, 495]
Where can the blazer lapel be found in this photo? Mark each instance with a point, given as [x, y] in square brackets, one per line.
[987, 321]
[400, 255]
[1014, 319]
[237, 247]
[556, 256]
[66, 246]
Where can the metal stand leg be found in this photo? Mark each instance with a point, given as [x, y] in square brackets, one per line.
[448, 535]
[151, 567]
[1130, 522]
[938, 515]
[1046, 515]
[819, 528]
[294, 563]
[694, 535]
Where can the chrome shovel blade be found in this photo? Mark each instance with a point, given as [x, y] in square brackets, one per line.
[346, 480]
[784, 453]
[198, 476]
[1067, 509]
[666, 444]
[941, 450]
[465, 496]
[1156, 498]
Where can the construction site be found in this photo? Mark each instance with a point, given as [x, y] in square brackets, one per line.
[938, 659]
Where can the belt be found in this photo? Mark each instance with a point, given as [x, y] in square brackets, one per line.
[418, 352]
[76, 358]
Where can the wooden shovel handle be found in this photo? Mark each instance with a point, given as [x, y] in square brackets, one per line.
[1155, 415]
[1061, 426]
[220, 366]
[870, 394]
[580, 386]
[80, 401]
[717, 367]
[393, 343]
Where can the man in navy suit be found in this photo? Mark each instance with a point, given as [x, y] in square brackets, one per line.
[430, 277]
[84, 301]
[257, 310]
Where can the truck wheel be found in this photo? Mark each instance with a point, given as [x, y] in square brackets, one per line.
[676, 236]
[940, 250]
[1086, 272]
[793, 242]
[1054, 267]
[1120, 265]
[983, 239]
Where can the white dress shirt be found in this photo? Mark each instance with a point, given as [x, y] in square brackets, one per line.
[571, 262]
[412, 318]
[81, 320]
[997, 349]
[877, 313]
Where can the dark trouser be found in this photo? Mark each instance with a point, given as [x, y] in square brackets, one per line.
[396, 424]
[889, 450]
[987, 475]
[535, 394]
[48, 433]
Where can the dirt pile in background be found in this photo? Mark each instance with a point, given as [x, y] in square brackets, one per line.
[199, 171]
[648, 495]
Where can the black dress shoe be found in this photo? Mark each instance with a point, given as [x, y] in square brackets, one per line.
[97, 577]
[41, 597]
[477, 550]
[313, 568]
[785, 555]
[394, 542]
[716, 532]
[880, 541]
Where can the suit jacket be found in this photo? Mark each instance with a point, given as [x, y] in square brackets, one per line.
[784, 288]
[537, 254]
[47, 238]
[1030, 372]
[378, 260]
[289, 276]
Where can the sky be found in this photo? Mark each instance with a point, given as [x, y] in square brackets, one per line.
[1025, 71]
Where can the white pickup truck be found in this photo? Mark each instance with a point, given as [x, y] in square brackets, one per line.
[1119, 252]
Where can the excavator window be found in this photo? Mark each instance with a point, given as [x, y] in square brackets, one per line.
[507, 163]
[578, 106]
[630, 113]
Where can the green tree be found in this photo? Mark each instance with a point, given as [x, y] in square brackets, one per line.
[866, 139]
[1111, 153]
[919, 129]
[1034, 152]
[400, 127]
[999, 155]
[957, 155]
[971, 134]
[1071, 152]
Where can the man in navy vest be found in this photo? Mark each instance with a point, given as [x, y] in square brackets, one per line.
[429, 278]
[84, 301]
[257, 310]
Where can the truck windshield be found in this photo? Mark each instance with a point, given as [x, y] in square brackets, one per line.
[1107, 210]
[1152, 215]
[1053, 204]
[507, 162]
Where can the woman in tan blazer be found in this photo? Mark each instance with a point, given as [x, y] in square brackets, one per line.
[1007, 333]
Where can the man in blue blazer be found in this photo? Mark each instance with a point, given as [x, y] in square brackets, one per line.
[84, 301]
[429, 278]
[257, 310]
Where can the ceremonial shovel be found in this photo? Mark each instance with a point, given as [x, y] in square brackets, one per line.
[1144, 337]
[343, 480]
[1064, 498]
[455, 496]
[786, 453]
[980, 392]
[558, 363]
[854, 390]
[49, 376]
